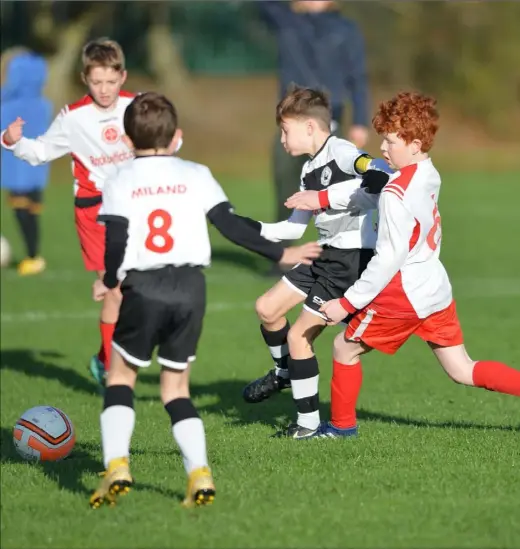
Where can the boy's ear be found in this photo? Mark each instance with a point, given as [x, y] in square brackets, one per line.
[84, 78]
[124, 74]
[417, 146]
[176, 143]
[127, 141]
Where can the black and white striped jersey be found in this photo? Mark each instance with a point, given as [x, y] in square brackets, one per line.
[334, 164]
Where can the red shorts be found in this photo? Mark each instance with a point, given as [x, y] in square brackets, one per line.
[91, 237]
[389, 334]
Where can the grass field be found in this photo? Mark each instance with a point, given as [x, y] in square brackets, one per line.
[436, 464]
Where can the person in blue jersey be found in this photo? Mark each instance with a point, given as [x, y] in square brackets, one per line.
[24, 75]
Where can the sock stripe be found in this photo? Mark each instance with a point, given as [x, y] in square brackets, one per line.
[307, 405]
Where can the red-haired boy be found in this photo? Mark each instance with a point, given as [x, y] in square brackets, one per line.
[405, 289]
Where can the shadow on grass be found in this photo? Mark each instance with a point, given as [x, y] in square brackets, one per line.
[85, 458]
[229, 402]
[41, 364]
[66, 474]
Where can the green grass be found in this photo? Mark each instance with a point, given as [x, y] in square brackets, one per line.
[436, 465]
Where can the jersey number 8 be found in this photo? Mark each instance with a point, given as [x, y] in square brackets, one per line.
[159, 239]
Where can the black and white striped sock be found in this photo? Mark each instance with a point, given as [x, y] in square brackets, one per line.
[305, 376]
[277, 343]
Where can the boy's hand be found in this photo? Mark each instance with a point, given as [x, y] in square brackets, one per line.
[334, 311]
[14, 132]
[304, 200]
[374, 181]
[358, 135]
[99, 290]
[300, 254]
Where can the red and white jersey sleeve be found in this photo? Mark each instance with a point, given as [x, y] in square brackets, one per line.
[54, 143]
[92, 137]
[405, 278]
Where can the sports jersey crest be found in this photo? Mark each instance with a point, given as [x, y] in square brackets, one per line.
[326, 176]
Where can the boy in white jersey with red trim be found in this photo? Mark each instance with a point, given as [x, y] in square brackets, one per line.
[90, 131]
[405, 289]
[157, 244]
[348, 239]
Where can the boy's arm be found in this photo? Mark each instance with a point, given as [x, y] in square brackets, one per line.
[113, 214]
[396, 226]
[365, 197]
[290, 229]
[53, 144]
[243, 231]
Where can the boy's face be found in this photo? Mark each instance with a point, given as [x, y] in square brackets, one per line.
[296, 136]
[104, 84]
[397, 152]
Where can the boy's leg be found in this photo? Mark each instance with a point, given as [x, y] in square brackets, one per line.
[487, 374]
[443, 333]
[27, 208]
[271, 309]
[117, 425]
[92, 240]
[188, 433]
[177, 350]
[304, 373]
[135, 337]
[347, 378]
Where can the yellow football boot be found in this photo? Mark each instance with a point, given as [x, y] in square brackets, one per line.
[117, 481]
[31, 266]
[201, 489]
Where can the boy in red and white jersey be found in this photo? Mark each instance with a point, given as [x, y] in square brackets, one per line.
[405, 289]
[90, 131]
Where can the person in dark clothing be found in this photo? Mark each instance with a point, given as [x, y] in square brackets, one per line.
[24, 75]
[320, 49]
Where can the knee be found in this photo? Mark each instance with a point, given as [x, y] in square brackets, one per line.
[296, 339]
[265, 311]
[344, 351]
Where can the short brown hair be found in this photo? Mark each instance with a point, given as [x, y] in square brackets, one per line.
[411, 115]
[103, 52]
[302, 102]
[150, 121]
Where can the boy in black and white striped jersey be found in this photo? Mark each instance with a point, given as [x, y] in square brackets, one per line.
[348, 239]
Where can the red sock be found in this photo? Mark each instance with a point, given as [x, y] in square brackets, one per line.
[344, 391]
[105, 351]
[496, 376]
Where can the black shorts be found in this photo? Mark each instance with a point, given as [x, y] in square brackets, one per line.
[161, 308]
[329, 276]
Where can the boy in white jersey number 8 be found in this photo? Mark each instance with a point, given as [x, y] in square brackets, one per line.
[157, 243]
[348, 238]
[405, 289]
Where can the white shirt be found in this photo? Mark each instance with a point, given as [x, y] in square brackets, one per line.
[332, 167]
[405, 278]
[90, 135]
[165, 200]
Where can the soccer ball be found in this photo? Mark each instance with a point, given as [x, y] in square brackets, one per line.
[44, 433]
[5, 252]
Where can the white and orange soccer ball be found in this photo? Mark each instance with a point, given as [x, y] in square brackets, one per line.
[44, 433]
[5, 252]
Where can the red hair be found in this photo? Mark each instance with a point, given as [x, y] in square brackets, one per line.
[410, 115]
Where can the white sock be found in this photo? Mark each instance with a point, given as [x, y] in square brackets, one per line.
[117, 426]
[189, 435]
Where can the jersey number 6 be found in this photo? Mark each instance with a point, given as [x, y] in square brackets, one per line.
[159, 233]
